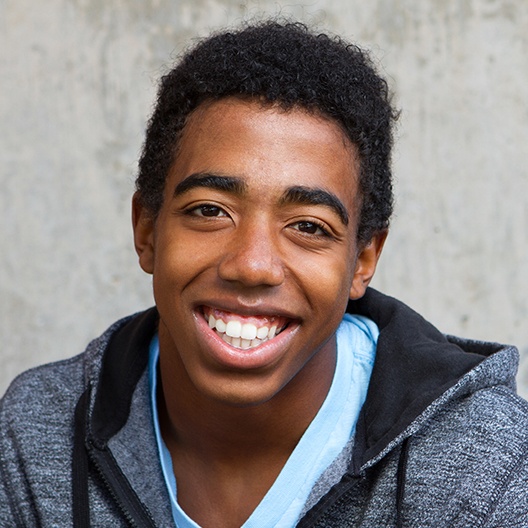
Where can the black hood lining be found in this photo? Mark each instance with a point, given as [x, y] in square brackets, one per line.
[415, 364]
[123, 364]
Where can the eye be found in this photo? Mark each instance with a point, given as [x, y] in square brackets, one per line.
[310, 228]
[207, 210]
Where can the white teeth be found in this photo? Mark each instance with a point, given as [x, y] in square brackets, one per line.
[221, 326]
[262, 332]
[239, 343]
[233, 328]
[240, 335]
[249, 331]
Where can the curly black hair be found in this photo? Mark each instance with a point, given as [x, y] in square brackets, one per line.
[289, 65]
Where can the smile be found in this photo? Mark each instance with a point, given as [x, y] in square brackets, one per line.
[242, 331]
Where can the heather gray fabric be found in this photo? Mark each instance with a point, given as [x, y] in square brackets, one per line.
[331, 476]
[467, 462]
[466, 454]
[36, 442]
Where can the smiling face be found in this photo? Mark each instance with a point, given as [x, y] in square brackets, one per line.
[254, 253]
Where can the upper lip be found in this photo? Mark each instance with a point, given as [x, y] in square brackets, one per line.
[249, 310]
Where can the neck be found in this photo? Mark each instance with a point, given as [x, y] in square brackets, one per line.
[217, 447]
[216, 430]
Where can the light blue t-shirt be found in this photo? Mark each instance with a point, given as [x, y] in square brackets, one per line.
[322, 442]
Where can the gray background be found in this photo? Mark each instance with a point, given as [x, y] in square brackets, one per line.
[77, 81]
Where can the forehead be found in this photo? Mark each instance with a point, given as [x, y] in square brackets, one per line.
[268, 147]
[242, 116]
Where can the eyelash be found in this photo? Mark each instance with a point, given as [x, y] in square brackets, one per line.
[193, 211]
[324, 233]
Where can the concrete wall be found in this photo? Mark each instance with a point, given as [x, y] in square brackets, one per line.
[77, 80]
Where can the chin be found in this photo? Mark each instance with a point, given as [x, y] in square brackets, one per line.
[242, 393]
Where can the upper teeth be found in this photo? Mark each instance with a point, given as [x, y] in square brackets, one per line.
[242, 335]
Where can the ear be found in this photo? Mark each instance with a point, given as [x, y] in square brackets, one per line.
[143, 225]
[366, 262]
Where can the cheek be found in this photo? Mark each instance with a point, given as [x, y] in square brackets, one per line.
[180, 255]
[327, 282]
[182, 263]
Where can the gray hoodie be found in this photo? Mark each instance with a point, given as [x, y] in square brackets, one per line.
[441, 440]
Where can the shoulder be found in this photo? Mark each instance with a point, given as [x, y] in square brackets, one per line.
[41, 393]
[490, 412]
[50, 389]
[468, 458]
[36, 436]
[481, 409]
[38, 407]
[36, 413]
[482, 415]
[481, 434]
[52, 381]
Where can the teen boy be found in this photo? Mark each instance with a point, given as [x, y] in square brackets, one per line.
[247, 397]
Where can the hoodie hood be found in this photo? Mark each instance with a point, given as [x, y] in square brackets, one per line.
[415, 365]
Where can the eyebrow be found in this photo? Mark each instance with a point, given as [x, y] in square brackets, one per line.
[211, 181]
[315, 196]
[294, 195]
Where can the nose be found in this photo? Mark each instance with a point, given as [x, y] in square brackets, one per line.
[252, 257]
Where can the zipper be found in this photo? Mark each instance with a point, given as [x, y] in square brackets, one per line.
[134, 511]
[333, 497]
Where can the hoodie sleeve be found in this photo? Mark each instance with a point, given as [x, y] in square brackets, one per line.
[15, 503]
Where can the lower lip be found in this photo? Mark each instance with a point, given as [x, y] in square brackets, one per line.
[262, 356]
